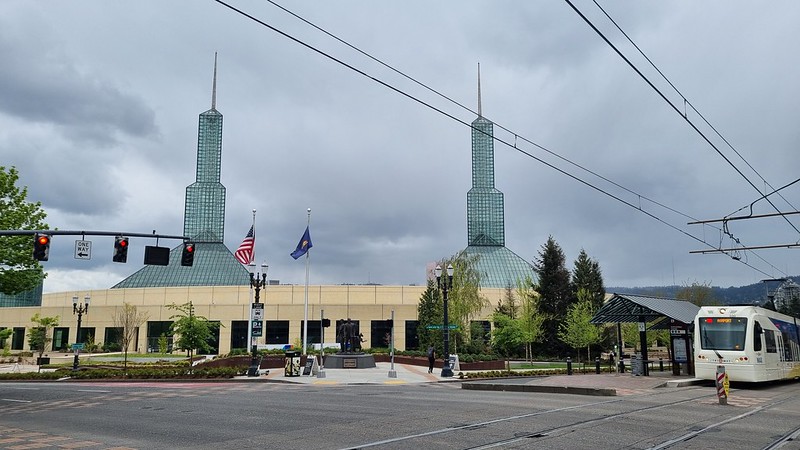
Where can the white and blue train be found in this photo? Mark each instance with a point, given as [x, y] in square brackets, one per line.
[754, 344]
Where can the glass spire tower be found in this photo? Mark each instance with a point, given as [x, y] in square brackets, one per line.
[203, 220]
[498, 266]
[204, 216]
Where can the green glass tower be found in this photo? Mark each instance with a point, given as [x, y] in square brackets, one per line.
[203, 220]
[204, 214]
[499, 267]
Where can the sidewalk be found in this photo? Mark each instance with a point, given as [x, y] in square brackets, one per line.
[405, 374]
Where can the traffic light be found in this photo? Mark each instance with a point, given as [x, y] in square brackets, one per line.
[41, 247]
[390, 323]
[187, 256]
[326, 323]
[120, 249]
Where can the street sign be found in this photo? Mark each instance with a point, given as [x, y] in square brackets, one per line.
[257, 311]
[258, 328]
[77, 346]
[83, 250]
[452, 326]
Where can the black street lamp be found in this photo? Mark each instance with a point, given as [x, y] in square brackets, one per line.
[445, 285]
[257, 282]
[80, 310]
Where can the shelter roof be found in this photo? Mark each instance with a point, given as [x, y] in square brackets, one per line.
[635, 308]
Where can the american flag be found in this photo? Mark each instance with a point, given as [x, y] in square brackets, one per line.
[244, 254]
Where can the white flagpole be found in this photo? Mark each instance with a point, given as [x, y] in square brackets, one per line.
[305, 312]
[251, 268]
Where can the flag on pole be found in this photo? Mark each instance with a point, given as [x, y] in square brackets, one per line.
[245, 253]
[303, 245]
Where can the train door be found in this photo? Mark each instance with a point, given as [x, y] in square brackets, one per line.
[772, 359]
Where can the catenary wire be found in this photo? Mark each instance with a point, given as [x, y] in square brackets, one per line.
[690, 103]
[430, 89]
[674, 107]
[456, 119]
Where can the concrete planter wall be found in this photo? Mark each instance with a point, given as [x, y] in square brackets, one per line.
[421, 361]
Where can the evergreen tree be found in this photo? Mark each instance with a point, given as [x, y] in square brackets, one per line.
[19, 272]
[554, 290]
[430, 314]
[586, 275]
[508, 304]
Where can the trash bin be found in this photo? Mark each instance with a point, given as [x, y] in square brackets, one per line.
[291, 363]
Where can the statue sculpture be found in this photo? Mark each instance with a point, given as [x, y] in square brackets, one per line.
[347, 336]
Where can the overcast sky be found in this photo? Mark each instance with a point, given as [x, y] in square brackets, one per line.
[99, 104]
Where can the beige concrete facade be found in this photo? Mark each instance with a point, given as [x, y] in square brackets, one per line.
[232, 303]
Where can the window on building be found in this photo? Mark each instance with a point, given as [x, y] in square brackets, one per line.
[86, 334]
[155, 330]
[412, 337]
[18, 338]
[112, 339]
[61, 338]
[214, 341]
[239, 335]
[314, 334]
[277, 332]
[381, 334]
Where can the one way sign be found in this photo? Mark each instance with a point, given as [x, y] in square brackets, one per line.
[83, 249]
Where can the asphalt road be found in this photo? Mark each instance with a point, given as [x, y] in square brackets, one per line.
[243, 415]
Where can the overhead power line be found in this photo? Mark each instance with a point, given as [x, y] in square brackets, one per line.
[675, 108]
[463, 122]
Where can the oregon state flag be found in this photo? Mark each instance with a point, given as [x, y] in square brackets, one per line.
[303, 245]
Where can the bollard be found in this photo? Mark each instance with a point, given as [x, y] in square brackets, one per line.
[569, 366]
[597, 365]
[723, 385]
[661, 364]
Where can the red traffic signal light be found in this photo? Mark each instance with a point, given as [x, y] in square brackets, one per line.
[41, 247]
[120, 249]
[187, 255]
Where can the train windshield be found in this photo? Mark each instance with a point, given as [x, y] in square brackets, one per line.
[722, 333]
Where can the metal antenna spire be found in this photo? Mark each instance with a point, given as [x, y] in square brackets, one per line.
[214, 88]
[479, 89]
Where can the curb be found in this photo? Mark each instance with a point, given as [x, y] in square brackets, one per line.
[605, 392]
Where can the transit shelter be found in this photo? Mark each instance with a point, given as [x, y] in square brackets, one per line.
[660, 313]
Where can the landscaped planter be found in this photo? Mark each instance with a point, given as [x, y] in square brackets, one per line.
[496, 364]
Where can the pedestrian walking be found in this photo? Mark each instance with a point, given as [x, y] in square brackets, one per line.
[431, 358]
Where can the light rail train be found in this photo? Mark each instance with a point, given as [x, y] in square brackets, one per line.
[754, 344]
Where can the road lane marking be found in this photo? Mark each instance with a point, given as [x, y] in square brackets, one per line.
[14, 400]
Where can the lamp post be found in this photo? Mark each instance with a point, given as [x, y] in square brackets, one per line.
[257, 282]
[80, 310]
[445, 285]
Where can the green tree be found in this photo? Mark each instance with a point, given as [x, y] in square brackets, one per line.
[464, 296]
[19, 272]
[39, 336]
[554, 289]
[508, 304]
[577, 330]
[429, 314]
[700, 294]
[507, 335]
[5, 344]
[586, 275]
[194, 332]
[531, 318]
